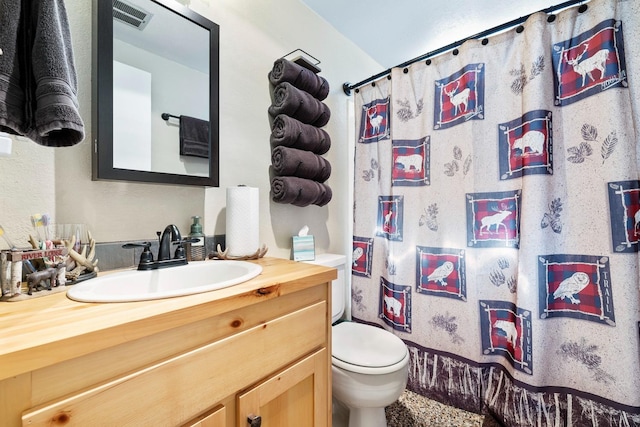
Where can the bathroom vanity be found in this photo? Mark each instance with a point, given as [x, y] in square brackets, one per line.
[257, 351]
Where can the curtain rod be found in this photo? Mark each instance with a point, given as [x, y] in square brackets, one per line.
[347, 87]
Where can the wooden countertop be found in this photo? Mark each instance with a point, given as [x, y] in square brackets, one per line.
[44, 331]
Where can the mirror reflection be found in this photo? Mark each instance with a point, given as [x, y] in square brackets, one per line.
[163, 94]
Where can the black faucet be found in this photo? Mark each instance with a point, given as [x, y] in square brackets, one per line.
[170, 235]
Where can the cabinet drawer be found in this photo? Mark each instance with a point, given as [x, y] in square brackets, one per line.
[174, 390]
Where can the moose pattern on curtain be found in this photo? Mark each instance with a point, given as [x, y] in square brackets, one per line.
[497, 219]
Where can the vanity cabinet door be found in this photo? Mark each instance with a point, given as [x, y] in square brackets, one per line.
[217, 417]
[294, 397]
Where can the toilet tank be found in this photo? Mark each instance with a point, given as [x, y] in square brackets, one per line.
[338, 286]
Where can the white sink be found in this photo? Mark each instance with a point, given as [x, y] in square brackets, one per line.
[134, 285]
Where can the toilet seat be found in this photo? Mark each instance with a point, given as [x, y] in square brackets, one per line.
[365, 349]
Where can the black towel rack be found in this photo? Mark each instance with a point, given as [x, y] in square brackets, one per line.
[165, 116]
[304, 60]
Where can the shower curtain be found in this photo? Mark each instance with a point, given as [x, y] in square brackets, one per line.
[497, 219]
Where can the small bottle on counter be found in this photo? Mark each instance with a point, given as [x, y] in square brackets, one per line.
[196, 249]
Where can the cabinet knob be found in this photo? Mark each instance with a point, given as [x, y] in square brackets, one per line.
[254, 420]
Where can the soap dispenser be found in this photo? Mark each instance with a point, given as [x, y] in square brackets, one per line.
[197, 249]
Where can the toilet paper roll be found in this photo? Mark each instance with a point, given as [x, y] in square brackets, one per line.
[243, 221]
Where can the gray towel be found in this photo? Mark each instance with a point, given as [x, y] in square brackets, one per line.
[12, 97]
[298, 104]
[194, 137]
[39, 66]
[299, 191]
[303, 164]
[290, 132]
[302, 78]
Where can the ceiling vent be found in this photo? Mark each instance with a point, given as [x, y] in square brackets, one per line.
[130, 14]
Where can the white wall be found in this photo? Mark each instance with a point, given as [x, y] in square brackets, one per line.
[275, 29]
[27, 187]
[252, 35]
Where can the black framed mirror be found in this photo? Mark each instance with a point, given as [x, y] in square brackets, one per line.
[155, 93]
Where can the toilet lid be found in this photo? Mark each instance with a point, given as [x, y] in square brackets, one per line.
[364, 345]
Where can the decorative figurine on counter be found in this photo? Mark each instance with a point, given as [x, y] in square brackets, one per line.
[79, 265]
[50, 263]
[82, 265]
[48, 277]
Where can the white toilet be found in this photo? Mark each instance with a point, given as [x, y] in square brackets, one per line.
[369, 365]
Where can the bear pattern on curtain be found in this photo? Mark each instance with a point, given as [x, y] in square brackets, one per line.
[497, 219]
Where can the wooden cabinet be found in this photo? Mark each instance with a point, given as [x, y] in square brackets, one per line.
[269, 358]
[293, 397]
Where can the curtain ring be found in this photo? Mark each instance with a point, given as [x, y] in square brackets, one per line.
[389, 77]
[455, 52]
[519, 29]
[428, 62]
[583, 8]
[406, 70]
[485, 41]
[551, 18]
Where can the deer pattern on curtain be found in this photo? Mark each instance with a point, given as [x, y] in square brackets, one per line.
[497, 219]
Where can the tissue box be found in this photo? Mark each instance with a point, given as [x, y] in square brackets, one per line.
[304, 248]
